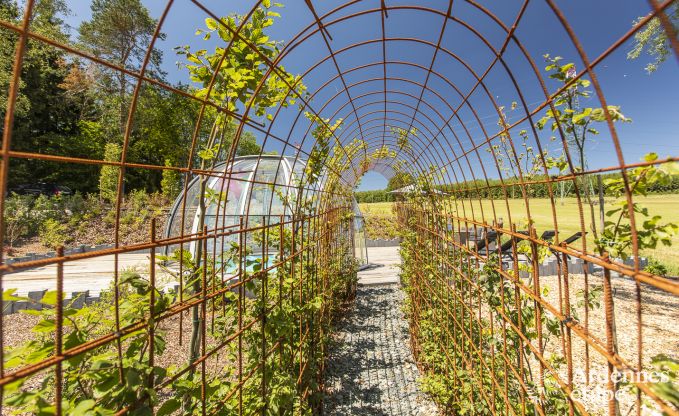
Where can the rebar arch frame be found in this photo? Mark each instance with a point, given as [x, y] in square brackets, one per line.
[437, 145]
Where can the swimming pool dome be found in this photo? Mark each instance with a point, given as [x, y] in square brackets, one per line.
[250, 197]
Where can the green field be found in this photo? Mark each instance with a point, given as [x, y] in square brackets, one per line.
[567, 217]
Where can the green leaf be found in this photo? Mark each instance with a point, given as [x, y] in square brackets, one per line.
[169, 407]
[651, 157]
[13, 386]
[104, 386]
[670, 168]
[192, 58]
[206, 154]
[31, 312]
[50, 298]
[46, 325]
[144, 410]
[136, 281]
[566, 67]
[132, 377]
[211, 23]
[83, 408]
[9, 295]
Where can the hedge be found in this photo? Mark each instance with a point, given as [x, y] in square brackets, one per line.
[493, 189]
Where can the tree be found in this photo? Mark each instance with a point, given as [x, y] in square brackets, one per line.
[44, 118]
[120, 31]
[576, 123]
[162, 130]
[516, 162]
[80, 89]
[17, 217]
[653, 39]
[9, 12]
[171, 182]
[247, 145]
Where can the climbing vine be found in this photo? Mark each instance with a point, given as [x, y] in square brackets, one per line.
[464, 354]
[264, 329]
[99, 381]
[473, 360]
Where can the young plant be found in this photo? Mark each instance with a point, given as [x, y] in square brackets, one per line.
[577, 123]
[98, 381]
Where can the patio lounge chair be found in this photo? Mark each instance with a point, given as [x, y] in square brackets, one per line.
[489, 238]
[507, 247]
[569, 240]
[548, 235]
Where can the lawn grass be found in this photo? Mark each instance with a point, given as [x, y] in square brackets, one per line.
[568, 218]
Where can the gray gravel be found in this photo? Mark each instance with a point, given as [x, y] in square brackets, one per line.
[371, 370]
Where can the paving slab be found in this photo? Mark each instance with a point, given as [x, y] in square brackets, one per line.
[383, 266]
[93, 274]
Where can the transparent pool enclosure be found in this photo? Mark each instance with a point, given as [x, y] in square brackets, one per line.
[250, 198]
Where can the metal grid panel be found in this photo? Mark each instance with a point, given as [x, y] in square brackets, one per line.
[316, 249]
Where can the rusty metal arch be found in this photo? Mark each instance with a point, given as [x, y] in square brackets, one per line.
[454, 155]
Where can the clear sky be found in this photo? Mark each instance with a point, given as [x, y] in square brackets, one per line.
[652, 101]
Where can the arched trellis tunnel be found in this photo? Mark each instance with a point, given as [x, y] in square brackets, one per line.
[518, 302]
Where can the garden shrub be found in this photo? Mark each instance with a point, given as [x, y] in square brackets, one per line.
[54, 234]
[54, 220]
[73, 205]
[17, 217]
[381, 227]
[108, 178]
[656, 267]
[137, 200]
[440, 327]
[92, 207]
[171, 183]
[45, 208]
[109, 218]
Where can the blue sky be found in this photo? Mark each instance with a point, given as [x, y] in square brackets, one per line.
[652, 101]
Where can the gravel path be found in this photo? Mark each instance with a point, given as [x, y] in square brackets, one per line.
[371, 369]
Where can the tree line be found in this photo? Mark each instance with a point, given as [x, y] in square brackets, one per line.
[511, 188]
[374, 196]
[69, 106]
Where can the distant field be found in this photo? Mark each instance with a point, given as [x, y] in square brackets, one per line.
[568, 218]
